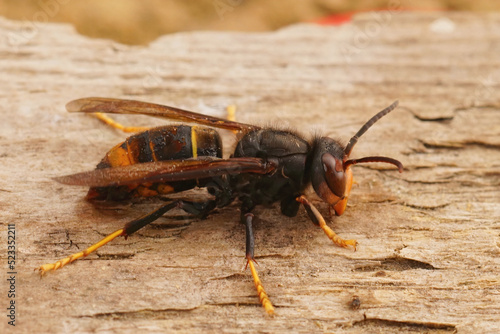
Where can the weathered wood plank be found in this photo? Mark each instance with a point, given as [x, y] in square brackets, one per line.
[429, 244]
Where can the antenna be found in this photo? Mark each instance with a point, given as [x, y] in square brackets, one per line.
[374, 159]
[364, 128]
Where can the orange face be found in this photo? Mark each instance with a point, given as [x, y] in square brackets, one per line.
[336, 185]
[339, 208]
[337, 203]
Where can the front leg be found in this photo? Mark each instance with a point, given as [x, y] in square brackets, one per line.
[250, 243]
[318, 219]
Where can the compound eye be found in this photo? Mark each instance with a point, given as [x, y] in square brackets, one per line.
[334, 174]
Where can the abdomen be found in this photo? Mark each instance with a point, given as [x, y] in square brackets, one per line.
[175, 142]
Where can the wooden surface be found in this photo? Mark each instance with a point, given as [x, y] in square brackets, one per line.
[428, 255]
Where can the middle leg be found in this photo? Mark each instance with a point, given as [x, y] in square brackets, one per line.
[250, 243]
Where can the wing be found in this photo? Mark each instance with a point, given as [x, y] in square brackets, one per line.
[119, 106]
[167, 171]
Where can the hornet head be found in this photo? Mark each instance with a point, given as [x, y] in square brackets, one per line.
[331, 167]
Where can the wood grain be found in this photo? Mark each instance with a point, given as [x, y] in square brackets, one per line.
[428, 255]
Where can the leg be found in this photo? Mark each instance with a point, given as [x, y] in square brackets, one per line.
[127, 230]
[231, 114]
[290, 206]
[231, 111]
[264, 299]
[318, 219]
[111, 122]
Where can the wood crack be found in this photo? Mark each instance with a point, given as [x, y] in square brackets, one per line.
[142, 313]
[395, 263]
[402, 324]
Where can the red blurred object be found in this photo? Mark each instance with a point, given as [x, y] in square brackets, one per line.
[336, 19]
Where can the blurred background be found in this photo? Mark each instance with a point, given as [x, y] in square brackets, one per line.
[140, 22]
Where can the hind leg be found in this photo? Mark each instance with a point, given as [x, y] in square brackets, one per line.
[131, 227]
[114, 124]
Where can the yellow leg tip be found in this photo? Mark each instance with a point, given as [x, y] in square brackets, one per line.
[353, 243]
[59, 264]
[339, 241]
[264, 299]
[46, 267]
[269, 309]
